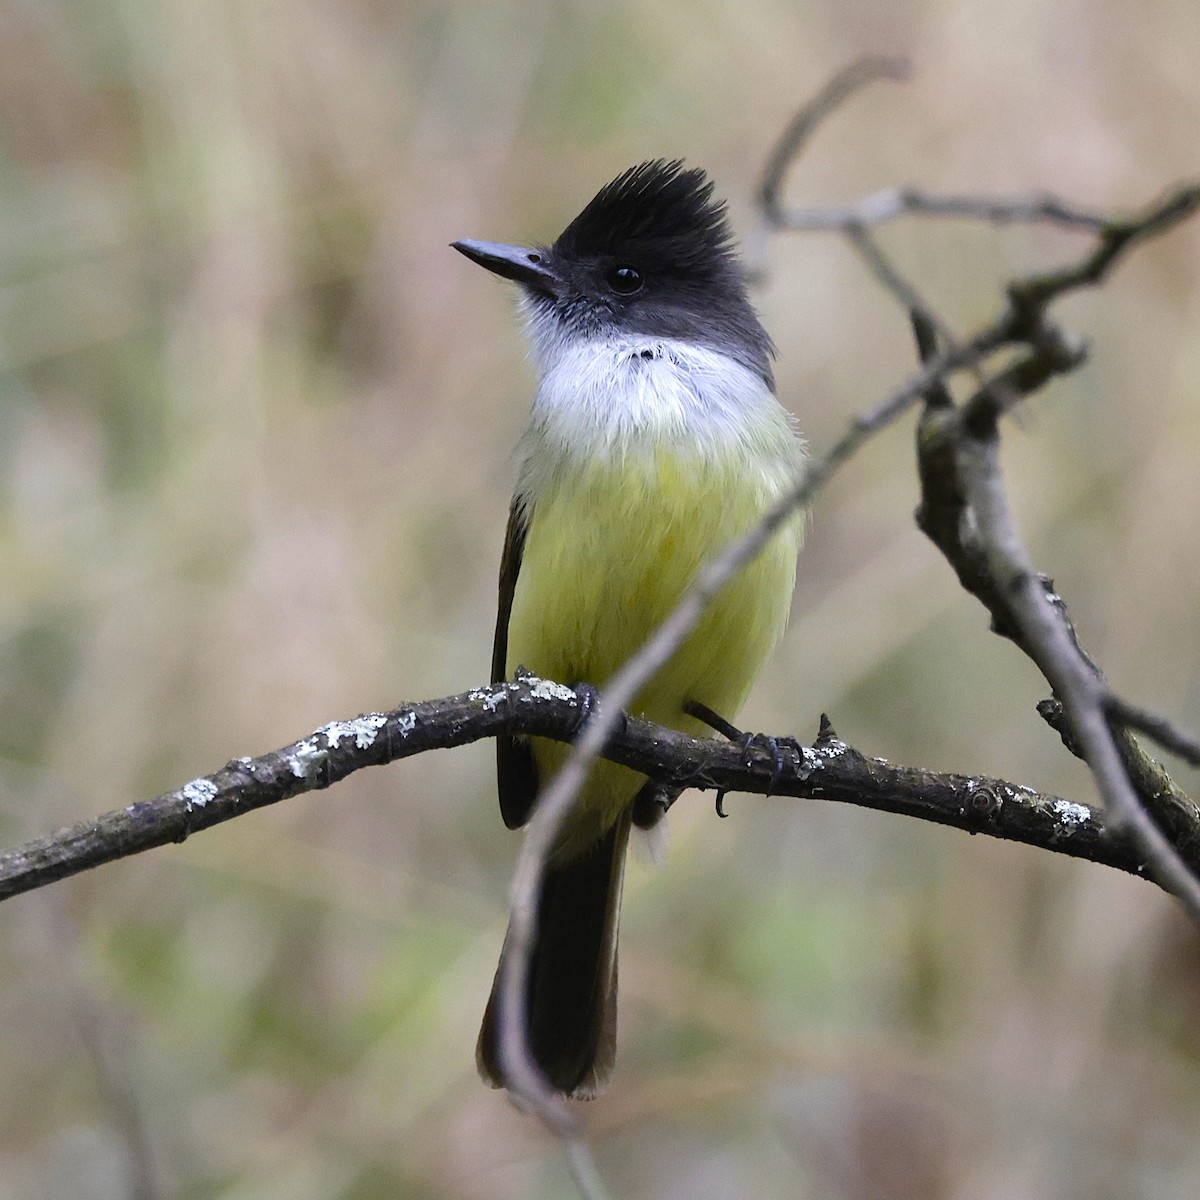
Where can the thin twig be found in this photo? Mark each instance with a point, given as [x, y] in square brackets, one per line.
[554, 802]
[1167, 735]
[905, 291]
[583, 1170]
[889, 204]
[801, 127]
[1116, 238]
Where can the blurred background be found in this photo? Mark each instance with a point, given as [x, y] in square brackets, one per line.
[255, 457]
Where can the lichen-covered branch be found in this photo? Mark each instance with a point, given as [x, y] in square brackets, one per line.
[828, 770]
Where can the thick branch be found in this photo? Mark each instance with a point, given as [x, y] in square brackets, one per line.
[964, 510]
[1051, 643]
[827, 770]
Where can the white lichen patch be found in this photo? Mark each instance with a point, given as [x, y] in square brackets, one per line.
[335, 731]
[812, 759]
[547, 689]
[406, 724]
[306, 758]
[198, 793]
[489, 699]
[366, 729]
[1070, 815]
[363, 730]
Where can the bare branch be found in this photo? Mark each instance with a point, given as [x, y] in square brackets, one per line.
[1053, 646]
[1173, 810]
[958, 451]
[889, 204]
[1169, 736]
[1117, 236]
[964, 511]
[802, 126]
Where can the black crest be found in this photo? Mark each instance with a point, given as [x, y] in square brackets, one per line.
[656, 207]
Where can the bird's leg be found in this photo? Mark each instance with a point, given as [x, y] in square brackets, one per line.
[655, 797]
[713, 720]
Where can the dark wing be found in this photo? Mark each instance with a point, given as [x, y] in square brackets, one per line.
[516, 771]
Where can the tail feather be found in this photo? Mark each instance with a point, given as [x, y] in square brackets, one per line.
[572, 1013]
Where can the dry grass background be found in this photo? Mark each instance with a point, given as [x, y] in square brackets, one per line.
[255, 432]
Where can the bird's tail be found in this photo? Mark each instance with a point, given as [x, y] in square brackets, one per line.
[572, 1015]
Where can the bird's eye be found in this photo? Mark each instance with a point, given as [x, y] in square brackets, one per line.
[625, 280]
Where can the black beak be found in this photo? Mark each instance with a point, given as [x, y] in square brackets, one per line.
[518, 263]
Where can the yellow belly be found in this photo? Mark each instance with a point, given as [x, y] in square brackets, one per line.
[608, 553]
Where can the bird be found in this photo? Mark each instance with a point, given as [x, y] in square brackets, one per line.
[655, 437]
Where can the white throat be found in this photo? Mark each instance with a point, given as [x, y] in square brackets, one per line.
[628, 397]
[630, 389]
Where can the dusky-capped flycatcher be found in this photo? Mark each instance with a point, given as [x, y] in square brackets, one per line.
[655, 438]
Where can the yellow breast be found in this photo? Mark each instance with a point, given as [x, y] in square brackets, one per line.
[611, 547]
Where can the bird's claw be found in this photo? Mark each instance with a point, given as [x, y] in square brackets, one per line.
[747, 742]
[589, 698]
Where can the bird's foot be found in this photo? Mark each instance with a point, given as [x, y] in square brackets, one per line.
[589, 700]
[747, 742]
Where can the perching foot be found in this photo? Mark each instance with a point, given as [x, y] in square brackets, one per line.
[745, 740]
